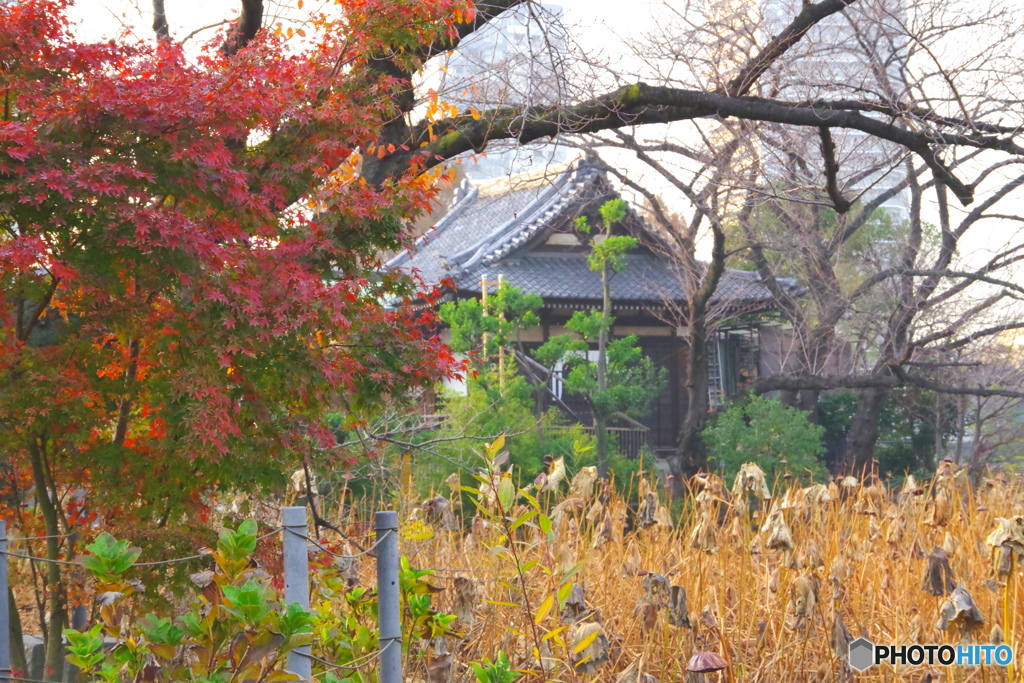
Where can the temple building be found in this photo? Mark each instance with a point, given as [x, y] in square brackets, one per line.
[522, 231]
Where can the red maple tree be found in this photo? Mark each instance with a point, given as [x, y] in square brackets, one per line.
[189, 258]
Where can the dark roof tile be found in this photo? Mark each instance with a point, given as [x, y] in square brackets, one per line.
[489, 230]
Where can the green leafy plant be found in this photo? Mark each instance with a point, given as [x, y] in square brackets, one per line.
[422, 621]
[629, 381]
[633, 380]
[163, 636]
[522, 524]
[611, 251]
[235, 547]
[503, 395]
[250, 602]
[235, 629]
[484, 330]
[621, 378]
[498, 671]
[109, 558]
[85, 647]
[344, 624]
[344, 620]
[765, 431]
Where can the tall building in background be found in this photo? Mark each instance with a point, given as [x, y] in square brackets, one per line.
[515, 60]
[858, 53]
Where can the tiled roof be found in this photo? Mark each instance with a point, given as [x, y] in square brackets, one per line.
[490, 229]
[486, 219]
[646, 278]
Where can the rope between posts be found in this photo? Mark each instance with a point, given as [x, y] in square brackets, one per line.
[383, 643]
[354, 665]
[137, 564]
[195, 557]
[451, 577]
[19, 678]
[334, 554]
[39, 559]
[179, 559]
[15, 539]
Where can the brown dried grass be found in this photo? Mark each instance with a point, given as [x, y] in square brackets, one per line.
[857, 562]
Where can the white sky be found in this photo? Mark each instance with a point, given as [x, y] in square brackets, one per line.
[599, 27]
[104, 18]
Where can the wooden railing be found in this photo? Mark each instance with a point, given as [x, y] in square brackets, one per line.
[630, 441]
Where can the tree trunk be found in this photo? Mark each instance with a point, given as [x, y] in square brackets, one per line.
[691, 448]
[19, 663]
[961, 428]
[789, 397]
[53, 669]
[978, 452]
[601, 432]
[809, 403]
[940, 442]
[601, 421]
[864, 429]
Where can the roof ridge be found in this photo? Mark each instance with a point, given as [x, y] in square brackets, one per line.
[525, 181]
[484, 250]
[542, 209]
[458, 208]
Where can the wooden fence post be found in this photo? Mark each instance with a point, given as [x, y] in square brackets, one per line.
[389, 616]
[296, 578]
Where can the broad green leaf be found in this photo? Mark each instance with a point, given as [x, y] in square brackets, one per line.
[571, 573]
[523, 519]
[296, 619]
[506, 490]
[110, 558]
[248, 602]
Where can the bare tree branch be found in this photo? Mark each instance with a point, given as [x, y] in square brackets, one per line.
[641, 104]
[810, 15]
[879, 381]
[828, 153]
